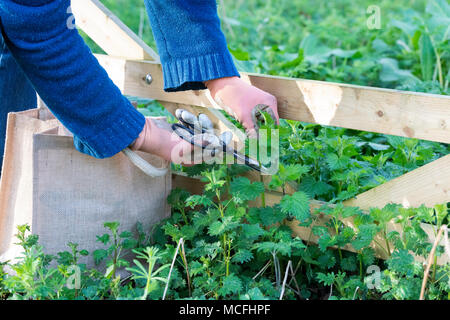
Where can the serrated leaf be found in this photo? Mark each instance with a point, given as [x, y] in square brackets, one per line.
[113, 226]
[243, 189]
[326, 241]
[103, 239]
[327, 279]
[252, 231]
[100, 255]
[297, 205]
[219, 227]
[365, 236]
[256, 294]
[326, 260]
[177, 197]
[242, 256]
[401, 261]
[368, 256]
[335, 163]
[314, 188]
[126, 234]
[277, 247]
[198, 200]
[292, 172]
[231, 284]
[269, 216]
[172, 231]
[349, 263]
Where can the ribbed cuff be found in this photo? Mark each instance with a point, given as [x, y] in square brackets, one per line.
[190, 73]
[120, 131]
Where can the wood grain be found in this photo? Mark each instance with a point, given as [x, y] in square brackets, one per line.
[401, 113]
[110, 34]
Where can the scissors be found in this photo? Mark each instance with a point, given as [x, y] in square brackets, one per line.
[190, 126]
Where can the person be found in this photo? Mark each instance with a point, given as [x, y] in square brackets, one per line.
[40, 53]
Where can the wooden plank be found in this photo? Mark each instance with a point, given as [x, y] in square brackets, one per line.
[305, 233]
[111, 34]
[428, 185]
[401, 113]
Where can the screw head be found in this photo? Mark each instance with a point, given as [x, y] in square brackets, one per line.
[148, 79]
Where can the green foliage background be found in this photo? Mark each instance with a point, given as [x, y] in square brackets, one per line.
[330, 40]
[231, 250]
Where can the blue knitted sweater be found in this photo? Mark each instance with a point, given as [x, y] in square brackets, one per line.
[77, 89]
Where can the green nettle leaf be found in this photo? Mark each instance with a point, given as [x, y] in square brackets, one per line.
[297, 205]
[275, 182]
[103, 239]
[242, 256]
[441, 212]
[188, 232]
[231, 284]
[172, 231]
[349, 263]
[385, 214]
[219, 227]
[401, 261]
[201, 220]
[326, 241]
[129, 243]
[278, 247]
[314, 188]
[326, 260]
[243, 189]
[292, 172]
[100, 255]
[255, 294]
[113, 226]
[350, 212]
[368, 256]
[269, 215]
[177, 197]
[327, 279]
[335, 163]
[125, 234]
[365, 236]
[202, 248]
[198, 200]
[252, 231]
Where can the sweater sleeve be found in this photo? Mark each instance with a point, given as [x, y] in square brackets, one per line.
[68, 77]
[190, 42]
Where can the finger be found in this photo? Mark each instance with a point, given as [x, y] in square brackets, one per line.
[205, 122]
[258, 113]
[178, 113]
[190, 118]
[226, 137]
[249, 125]
[181, 151]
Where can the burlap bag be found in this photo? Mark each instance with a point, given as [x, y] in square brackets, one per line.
[66, 196]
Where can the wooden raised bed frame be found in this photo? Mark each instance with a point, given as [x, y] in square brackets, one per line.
[408, 114]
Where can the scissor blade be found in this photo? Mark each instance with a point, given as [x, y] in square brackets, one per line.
[243, 159]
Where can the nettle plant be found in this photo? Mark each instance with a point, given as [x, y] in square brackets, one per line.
[232, 241]
[229, 246]
[231, 250]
